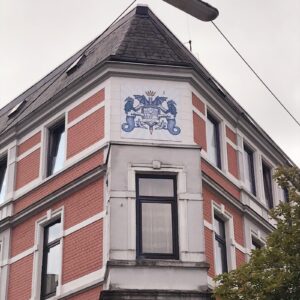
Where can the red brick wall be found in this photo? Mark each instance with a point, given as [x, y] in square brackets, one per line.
[29, 143]
[82, 249]
[85, 133]
[93, 294]
[86, 105]
[59, 181]
[238, 223]
[199, 131]
[28, 169]
[232, 156]
[231, 135]
[20, 278]
[78, 207]
[198, 103]
[220, 179]
[209, 251]
[240, 258]
[83, 252]
[84, 204]
[232, 161]
[22, 236]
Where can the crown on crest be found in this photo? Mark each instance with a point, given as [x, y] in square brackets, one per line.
[150, 93]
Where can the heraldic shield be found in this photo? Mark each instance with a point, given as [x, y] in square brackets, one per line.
[150, 114]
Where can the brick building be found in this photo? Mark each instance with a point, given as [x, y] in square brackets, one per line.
[129, 173]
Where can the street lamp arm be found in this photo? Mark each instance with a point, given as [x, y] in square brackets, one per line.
[197, 8]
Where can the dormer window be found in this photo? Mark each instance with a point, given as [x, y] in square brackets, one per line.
[3, 178]
[76, 64]
[16, 109]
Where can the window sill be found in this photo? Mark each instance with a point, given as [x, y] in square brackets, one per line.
[229, 177]
[44, 180]
[255, 199]
[167, 263]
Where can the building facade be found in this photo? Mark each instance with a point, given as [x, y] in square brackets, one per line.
[129, 173]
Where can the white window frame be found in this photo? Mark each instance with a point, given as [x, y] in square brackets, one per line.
[5, 238]
[5, 192]
[45, 145]
[220, 211]
[221, 128]
[256, 235]
[268, 164]
[40, 224]
[157, 168]
[254, 158]
[140, 200]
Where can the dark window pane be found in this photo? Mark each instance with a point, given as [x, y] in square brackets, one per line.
[255, 244]
[249, 170]
[157, 228]
[219, 227]
[51, 275]
[54, 232]
[51, 259]
[267, 179]
[3, 178]
[213, 141]
[286, 196]
[220, 246]
[162, 187]
[221, 257]
[56, 148]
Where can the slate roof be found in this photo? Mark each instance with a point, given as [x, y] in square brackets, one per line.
[134, 38]
[138, 37]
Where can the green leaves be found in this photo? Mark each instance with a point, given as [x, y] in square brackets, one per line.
[273, 272]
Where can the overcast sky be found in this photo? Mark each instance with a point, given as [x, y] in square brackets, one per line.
[36, 36]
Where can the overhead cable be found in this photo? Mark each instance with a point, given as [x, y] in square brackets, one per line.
[255, 73]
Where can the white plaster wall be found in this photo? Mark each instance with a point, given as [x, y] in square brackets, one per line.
[125, 162]
[166, 278]
[4, 255]
[180, 92]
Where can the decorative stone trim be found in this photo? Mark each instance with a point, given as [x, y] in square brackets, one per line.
[154, 294]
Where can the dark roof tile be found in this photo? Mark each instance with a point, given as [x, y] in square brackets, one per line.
[137, 37]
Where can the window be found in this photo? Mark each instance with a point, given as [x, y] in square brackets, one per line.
[157, 234]
[249, 170]
[16, 109]
[286, 196]
[220, 246]
[213, 141]
[255, 244]
[76, 64]
[3, 178]
[51, 259]
[56, 154]
[267, 180]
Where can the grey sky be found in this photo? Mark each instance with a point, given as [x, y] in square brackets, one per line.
[36, 36]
